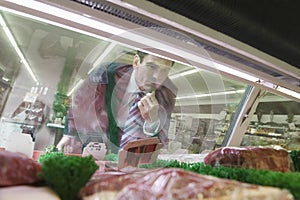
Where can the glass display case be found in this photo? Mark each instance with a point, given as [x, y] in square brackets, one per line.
[46, 58]
[275, 122]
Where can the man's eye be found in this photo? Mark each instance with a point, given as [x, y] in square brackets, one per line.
[151, 67]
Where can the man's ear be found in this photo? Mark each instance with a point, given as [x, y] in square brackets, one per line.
[136, 60]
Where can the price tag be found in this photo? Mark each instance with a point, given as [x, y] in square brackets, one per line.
[30, 97]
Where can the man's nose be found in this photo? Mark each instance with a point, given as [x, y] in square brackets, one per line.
[155, 75]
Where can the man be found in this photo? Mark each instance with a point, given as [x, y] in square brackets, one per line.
[103, 105]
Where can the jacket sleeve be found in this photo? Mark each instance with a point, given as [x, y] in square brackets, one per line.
[87, 113]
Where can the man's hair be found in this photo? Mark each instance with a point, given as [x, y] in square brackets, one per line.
[142, 55]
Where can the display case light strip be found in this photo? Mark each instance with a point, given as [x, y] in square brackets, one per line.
[84, 19]
[280, 89]
[288, 92]
[17, 49]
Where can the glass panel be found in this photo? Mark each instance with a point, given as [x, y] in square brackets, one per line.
[205, 107]
[275, 123]
[36, 103]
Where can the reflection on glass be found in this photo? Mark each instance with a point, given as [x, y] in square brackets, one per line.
[63, 61]
[275, 123]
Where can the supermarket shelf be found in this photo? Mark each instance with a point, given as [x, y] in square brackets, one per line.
[52, 125]
[265, 135]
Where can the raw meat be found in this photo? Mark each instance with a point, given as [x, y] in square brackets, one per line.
[177, 184]
[265, 158]
[17, 169]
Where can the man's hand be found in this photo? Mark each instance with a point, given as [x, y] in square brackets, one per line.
[65, 144]
[149, 106]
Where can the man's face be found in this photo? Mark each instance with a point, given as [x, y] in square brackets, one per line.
[151, 72]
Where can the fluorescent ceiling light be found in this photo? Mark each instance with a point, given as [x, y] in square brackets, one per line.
[211, 94]
[17, 49]
[5, 79]
[77, 85]
[185, 73]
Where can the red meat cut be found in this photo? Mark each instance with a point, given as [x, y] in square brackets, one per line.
[265, 158]
[17, 169]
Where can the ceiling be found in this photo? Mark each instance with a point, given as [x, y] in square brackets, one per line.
[272, 26]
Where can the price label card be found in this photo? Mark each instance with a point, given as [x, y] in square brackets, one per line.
[30, 97]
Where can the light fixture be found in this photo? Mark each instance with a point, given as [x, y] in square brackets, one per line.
[16, 47]
[288, 92]
[210, 94]
[280, 89]
[235, 72]
[5, 79]
[83, 19]
[132, 36]
[185, 73]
